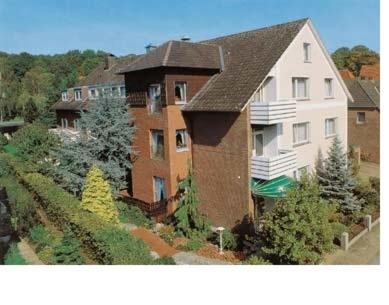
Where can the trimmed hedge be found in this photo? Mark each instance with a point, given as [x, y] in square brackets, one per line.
[108, 243]
[22, 204]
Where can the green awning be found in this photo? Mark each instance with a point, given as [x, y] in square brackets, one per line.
[275, 188]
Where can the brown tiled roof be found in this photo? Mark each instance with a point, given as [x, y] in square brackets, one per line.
[248, 57]
[70, 105]
[346, 74]
[371, 72]
[364, 92]
[178, 54]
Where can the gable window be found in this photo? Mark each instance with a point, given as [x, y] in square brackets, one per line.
[328, 86]
[180, 92]
[122, 91]
[300, 87]
[330, 127]
[307, 52]
[157, 144]
[257, 143]
[77, 95]
[154, 93]
[93, 93]
[300, 172]
[65, 96]
[361, 117]
[301, 133]
[159, 189]
[181, 139]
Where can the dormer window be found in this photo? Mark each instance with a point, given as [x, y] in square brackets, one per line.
[93, 93]
[65, 96]
[307, 52]
[180, 92]
[77, 95]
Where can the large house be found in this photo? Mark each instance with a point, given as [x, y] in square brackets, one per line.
[102, 81]
[364, 118]
[250, 110]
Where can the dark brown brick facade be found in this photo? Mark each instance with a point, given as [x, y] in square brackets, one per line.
[366, 135]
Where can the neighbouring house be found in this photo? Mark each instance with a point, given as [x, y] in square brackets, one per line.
[346, 74]
[364, 118]
[251, 110]
[102, 81]
[370, 72]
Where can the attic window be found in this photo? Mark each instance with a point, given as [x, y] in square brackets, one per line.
[93, 93]
[307, 52]
[77, 95]
[180, 92]
[65, 96]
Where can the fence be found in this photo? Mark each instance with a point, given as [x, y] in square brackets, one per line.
[346, 243]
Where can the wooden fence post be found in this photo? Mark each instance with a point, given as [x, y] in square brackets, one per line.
[367, 222]
[344, 241]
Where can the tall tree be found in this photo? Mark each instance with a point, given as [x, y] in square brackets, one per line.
[336, 179]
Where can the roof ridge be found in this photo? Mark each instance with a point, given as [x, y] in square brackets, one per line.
[366, 92]
[255, 30]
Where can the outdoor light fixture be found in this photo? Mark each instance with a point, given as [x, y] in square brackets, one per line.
[220, 230]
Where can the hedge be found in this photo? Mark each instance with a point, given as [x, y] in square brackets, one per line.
[108, 243]
[22, 204]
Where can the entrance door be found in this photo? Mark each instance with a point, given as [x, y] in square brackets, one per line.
[258, 143]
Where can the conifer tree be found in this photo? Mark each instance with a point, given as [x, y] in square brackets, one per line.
[68, 251]
[336, 179]
[97, 197]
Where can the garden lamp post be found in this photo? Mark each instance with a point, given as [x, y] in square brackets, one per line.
[220, 230]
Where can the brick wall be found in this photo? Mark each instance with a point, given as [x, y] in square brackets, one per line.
[367, 135]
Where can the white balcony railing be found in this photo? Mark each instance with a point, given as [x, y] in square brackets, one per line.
[268, 168]
[268, 113]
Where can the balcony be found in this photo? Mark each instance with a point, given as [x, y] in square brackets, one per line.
[267, 168]
[268, 113]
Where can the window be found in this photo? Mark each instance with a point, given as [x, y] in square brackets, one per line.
[106, 92]
[180, 92]
[64, 123]
[257, 143]
[307, 52]
[159, 189]
[361, 117]
[157, 144]
[330, 127]
[77, 95]
[65, 96]
[300, 87]
[301, 133]
[329, 92]
[115, 91]
[93, 93]
[300, 172]
[181, 139]
[122, 91]
[155, 98]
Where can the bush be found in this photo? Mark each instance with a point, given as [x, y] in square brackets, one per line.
[196, 240]
[256, 260]
[137, 217]
[3, 140]
[4, 168]
[46, 255]
[167, 233]
[68, 252]
[13, 257]
[229, 239]
[164, 261]
[41, 237]
[338, 228]
[22, 205]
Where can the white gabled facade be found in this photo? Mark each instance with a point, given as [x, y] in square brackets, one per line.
[305, 67]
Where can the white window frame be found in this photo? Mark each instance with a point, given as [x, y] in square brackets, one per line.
[185, 85]
[96, 93]
[297, 174]
[306, 141]
[254, 148]
[76, 97]
[107, 91]
[64, 123]
[117, 94]
[155, 106]
[326, 129]
[364, 115]
[307, 50]
[295, 81]
[331, 86]
[124, 91]
[184, 133]
[65, 97]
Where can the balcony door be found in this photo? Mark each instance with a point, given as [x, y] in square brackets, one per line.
[258, 143]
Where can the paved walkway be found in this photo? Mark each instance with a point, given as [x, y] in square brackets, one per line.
[189, 258]
[28, 253]
[366, 251]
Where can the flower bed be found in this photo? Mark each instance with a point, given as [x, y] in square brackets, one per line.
[212, 251]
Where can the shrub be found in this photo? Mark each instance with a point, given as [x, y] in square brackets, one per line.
[166, 260]
[196, 240]
[41, 237]
[298, 230]
[123, 211]
[22, 205]
[13, 257]
[4, 168]
[97, 197]
[3, 140]
[229, 240]
[338, 228]
[137, 217]
[68, 252]
[256, 260]
[46, 255]
[167, 233]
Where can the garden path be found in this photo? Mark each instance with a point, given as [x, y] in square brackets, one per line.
[28, 253]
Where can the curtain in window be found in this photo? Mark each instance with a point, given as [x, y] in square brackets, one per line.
[328, 87]
[300, 133]
[159, 187]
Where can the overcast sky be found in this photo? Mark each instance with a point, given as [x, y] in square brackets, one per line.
[123, 27]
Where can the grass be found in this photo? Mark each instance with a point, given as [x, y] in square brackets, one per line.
[13, 257]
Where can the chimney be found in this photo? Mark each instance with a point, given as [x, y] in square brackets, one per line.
[150, 47]
[109, 61]
[185, 38]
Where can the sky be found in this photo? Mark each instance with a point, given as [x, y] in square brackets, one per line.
[126, 26]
